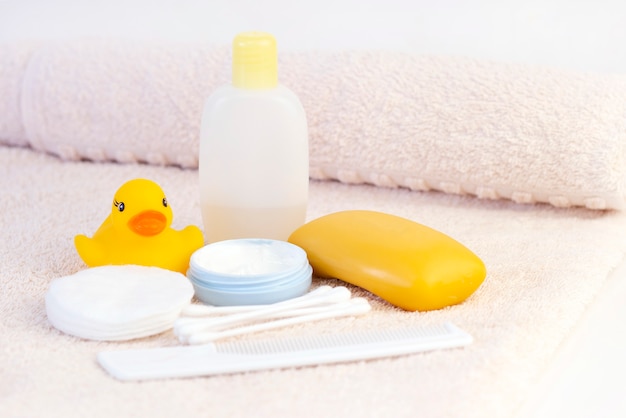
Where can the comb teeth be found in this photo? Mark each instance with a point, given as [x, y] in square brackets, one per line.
[420, 334]
[242, 356]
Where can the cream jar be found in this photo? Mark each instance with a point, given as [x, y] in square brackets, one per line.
[249, 272]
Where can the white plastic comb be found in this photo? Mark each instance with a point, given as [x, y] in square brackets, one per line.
[245, 356]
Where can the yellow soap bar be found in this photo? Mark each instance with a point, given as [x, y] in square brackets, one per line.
[408, 264]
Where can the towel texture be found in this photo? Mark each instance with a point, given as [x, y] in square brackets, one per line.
[544, 267]
[14, 58]
[455, 125]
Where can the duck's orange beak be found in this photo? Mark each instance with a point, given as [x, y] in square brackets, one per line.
[148, 223]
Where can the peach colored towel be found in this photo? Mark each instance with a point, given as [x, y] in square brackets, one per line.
[456, 125]
[545, 267]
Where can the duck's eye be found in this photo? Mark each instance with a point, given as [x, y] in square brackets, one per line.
[119, 205]
[164, 202]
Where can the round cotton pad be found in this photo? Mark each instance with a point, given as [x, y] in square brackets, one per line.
[117, 302]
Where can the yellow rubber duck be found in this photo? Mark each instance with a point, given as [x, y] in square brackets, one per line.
[138, 232]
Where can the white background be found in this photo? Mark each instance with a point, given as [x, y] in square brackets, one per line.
[583, 35]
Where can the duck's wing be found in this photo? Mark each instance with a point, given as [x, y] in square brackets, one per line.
[192, 237]
[90, 250]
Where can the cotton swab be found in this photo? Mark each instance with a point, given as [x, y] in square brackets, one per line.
[355, 306]
[194, 310]
[202, 324]
[206, 326]
[323, 297]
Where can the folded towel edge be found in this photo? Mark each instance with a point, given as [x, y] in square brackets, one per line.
[594, 200]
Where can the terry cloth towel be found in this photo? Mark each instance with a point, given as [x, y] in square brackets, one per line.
[457, 125]
[14, 59]
[545, 265]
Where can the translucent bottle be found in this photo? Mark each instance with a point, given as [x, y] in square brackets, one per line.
[254, 155]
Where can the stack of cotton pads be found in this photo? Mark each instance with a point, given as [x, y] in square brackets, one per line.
[117, 302]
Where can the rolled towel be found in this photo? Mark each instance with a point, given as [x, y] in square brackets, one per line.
[14, 58]
[121, 101]
[457, 125]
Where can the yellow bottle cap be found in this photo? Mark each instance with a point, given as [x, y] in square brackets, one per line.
[255, 61]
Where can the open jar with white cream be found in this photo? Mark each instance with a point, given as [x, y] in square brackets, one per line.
[249, 272]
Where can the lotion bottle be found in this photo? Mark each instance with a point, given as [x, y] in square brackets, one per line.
[254, 155]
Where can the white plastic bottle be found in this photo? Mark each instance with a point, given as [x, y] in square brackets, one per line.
[254, 154]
